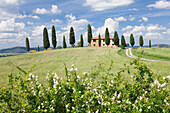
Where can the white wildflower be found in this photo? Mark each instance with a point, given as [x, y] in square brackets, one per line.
[112, 81]
[163, 84]
[71, 69]
[78, 77]
[164, 78]
[31, 82]
[38, 107]
[29, 78]
[72, 65]
[97, 111]
[165, 100]
[30, 74]
[168, 77]
[75, 69]
[67, 105]
[79, 91]
[47, 77]
[52, 101]
[140, 98]
[115, 93]
[119, 95]
[59, 88]
[136, 101]
[149, 107]
[82, 105]
[118, 101]
[140, 110]
[82, 96]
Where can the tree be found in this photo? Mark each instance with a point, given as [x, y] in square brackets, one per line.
[27, 44]
[123, 42]
[81, 41]
[45, 38]
[72, 37]
[99, 40]
[132, 41]
[54, 42]
[141, 41]
[107, 38]
[38, 48]
[149, 43]
[64, 42]
[116, 38]
[89, 33]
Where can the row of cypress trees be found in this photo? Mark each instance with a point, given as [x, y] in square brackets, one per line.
[46, 41]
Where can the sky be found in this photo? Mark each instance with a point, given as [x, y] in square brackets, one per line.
[27, 18]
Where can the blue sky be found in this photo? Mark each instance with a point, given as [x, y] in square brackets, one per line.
[27, 18]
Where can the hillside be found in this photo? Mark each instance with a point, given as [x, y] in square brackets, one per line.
[83, 58]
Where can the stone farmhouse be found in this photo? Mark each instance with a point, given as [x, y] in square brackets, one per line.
[95, 42]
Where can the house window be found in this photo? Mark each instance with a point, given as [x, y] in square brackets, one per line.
[103, 44]
[112, 40]
[94, 45]
[112, 44]
[103, 40]
[94, 40]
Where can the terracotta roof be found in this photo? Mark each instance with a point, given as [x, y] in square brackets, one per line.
[102, 37]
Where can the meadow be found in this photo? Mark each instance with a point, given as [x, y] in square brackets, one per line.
[84, 58]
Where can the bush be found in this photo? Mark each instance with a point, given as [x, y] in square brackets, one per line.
[59, 47]
[122, 47]
[33, 51]
[84, 94]
[49, 49]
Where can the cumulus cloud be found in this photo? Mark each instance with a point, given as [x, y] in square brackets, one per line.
[156, 27]
[162, 4]
[38, 31]
[28, 16]
[134, 9]
[127, 28]
[56, 20]
[167, 32]
[121, 19]
[131, 18]
[101, 5]
[30, 23]
[111, 24]
[145, 19]
[54, 10]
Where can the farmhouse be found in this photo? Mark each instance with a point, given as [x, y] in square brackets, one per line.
[95, 42]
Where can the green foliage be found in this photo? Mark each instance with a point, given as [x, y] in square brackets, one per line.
[99, 40]
[123, 42]
[127, 44]
[74, 94]
[27, 44]
[54, 41]
[46, 41]
[149, 43]
[72, 37]
[89, 33]
[64, 42]
[116, 39]
[132, 41]
[141, 41]
[81, 41]
[122, 47]
[107, 37]
[59, 47]
[38, 48]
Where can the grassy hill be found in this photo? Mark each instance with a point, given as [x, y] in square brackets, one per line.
[83, 58]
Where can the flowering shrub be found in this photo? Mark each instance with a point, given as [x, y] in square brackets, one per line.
[33, 51]
[109, 93]
[49, 49]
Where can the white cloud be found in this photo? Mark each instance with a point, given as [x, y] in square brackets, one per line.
[167, 32]
[156, 27]
[56, 20]
[54, 10]
[131, 18]
[70, 17]
[28, 16]
[38, 31]
[154, 35]
[145, 19]
[134, 9]
[41, 11]
[120, 19]
[127, 28]
[30, 23]
[162, 4]
[101, 5]
[111, 24]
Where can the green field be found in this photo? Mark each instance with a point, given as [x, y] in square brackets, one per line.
[153, 53]
[83, 58]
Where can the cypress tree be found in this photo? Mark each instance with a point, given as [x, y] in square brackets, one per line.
[123, 42]
[141, 41]
[132, 41]
[107, 38]
[54, 42]
[64, 42]
[45, 38]
[149, 43]
[81, 41]
[99, 40]
[38, 48]
[72, 37]
[89, 33]
[27, 44]
[116, 38]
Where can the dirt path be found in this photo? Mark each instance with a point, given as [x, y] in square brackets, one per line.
[129, 54]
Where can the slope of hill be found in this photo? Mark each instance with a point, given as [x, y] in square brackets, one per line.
[84, 59]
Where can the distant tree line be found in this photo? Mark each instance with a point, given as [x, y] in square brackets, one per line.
[46, 42]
